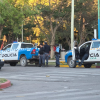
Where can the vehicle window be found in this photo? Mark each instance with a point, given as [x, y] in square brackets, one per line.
[96, 44]
[85, 45]
[15, 46]
[7, 47]
[26, 45]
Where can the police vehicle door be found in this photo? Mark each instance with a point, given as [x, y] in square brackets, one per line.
[95, 51]
[14, 51]
[4, 53]
[82, 50]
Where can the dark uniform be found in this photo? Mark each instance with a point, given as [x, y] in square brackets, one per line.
[46, 52]
[41, 57]
[57, 55]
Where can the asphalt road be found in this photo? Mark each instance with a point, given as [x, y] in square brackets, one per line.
[50, 83]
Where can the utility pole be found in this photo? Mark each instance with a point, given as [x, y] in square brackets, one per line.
[22, 31]
[22, 25]
[98, 19]
[72, 24]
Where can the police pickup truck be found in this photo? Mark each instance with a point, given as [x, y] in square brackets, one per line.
[20, 52]
[74, 56]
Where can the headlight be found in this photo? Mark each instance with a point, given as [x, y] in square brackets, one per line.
[2, 59]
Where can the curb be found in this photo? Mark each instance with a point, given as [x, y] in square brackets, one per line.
[80, 67]
[5, 85]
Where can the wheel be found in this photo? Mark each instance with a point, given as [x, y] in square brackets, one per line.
[23, 61]
[87, 65]
[71, 63]
[0, 68]
[13, 64]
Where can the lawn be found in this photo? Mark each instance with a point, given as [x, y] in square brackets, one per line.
[2, 80]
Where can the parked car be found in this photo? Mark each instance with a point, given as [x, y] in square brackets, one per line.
[78, 53]
[20, 52]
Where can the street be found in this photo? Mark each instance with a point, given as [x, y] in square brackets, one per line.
[50, 83]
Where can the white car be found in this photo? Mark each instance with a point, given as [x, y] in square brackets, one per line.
[20, 52]
[78, 53]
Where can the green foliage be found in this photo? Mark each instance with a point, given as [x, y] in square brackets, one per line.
[12, 17]
[41, 37]
[53, 15]
[28, 29]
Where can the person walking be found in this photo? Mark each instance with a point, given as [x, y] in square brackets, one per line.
[41, 56]
[46, 52]
[57, 55]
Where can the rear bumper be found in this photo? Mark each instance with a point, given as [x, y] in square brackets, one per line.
[35, 57]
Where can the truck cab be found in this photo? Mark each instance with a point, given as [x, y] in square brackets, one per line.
[74, 57]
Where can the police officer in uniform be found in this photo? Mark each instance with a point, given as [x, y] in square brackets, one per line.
[41, 56]
[57, 55]
[46, 52]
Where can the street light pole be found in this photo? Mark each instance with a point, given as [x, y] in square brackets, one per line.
[22, 32]
[98, 19]
[72, 24]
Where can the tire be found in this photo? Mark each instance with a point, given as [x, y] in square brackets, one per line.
[23, 61]
[87, 65]
[0, 68]
[13, 64]
[71, 63]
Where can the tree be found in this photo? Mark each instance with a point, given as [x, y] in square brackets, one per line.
[50, 18]
[85, 19]
[9, 15]
[13, 13]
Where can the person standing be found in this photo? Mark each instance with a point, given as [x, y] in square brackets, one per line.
[46, 52]
[57, 55]
[41, 56]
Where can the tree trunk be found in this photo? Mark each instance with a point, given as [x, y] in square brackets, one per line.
[82, 31]
[1, 29]
[52, 44]
[52, 52]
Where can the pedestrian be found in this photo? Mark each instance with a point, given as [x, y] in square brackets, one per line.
[41, 56]
[57, 55]
[86, 55]
[46, 52]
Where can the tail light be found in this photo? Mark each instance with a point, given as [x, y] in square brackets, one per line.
[33, 51]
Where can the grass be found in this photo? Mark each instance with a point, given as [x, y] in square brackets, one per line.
[51, 63]
[2, 80]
